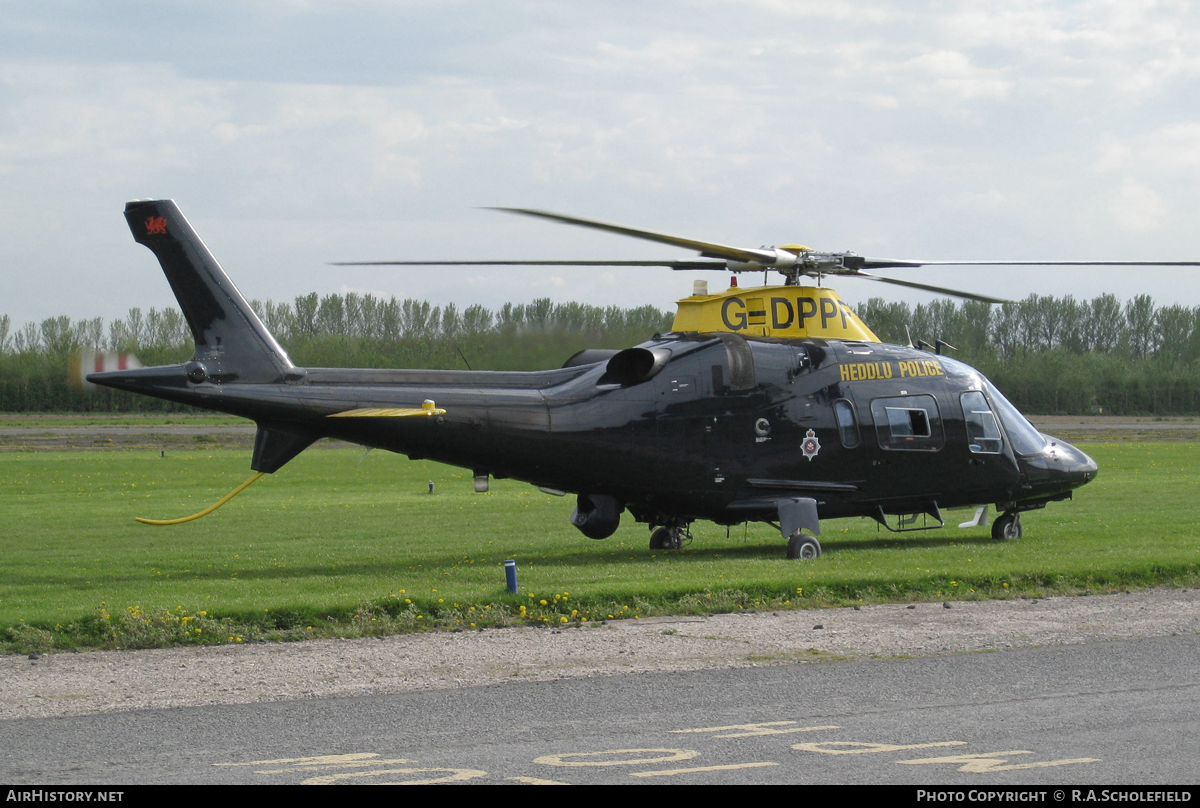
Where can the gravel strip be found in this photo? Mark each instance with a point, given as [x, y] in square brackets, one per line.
[101, 681]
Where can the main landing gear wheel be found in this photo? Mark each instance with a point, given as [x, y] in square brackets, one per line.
[803, 546]
[666, 538]
[1007, 526]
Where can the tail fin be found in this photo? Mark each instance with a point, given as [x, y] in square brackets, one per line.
[231, 342]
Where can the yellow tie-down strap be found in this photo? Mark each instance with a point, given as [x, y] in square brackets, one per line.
[204, 512]
[427, 408]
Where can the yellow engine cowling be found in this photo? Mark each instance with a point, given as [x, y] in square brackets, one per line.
[773, 311]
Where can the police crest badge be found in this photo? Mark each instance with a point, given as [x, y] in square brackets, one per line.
[811, 446]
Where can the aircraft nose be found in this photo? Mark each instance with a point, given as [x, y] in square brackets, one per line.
[1076, 464]
[1059, 467]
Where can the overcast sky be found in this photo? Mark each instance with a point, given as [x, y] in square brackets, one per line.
[297, 133]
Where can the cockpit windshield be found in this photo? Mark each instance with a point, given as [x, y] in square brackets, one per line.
[1025, 438]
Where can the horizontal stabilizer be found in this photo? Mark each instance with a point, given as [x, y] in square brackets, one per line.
[426, 408]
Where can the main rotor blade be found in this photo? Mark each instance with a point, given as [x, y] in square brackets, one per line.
[926, 287]
[721, 265]
[870, 263]
[705, 248]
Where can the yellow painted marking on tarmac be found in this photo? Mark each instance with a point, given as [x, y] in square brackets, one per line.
[751, 730]
[857, 748]
[369, 762]
[660, 756]
[537, 781]
[723, 768]
[986, 762]
[454, 776]
[358, 758]
[358, 764]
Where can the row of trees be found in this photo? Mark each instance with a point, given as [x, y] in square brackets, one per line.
[1138, 329]
[351, 316]
[348, 330]
[1050, 355]
[1062, 355]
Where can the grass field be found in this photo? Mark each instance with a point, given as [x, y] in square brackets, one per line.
[326, 546]
[74, 419]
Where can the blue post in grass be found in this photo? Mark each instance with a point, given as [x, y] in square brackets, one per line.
[510, 574]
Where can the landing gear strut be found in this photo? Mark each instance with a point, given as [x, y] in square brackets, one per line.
[1007, 526]
[671, 536]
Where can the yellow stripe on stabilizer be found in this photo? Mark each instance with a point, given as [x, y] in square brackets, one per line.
[204, 512]
[427, 408]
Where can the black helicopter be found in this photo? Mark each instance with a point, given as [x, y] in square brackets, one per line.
[773, 404]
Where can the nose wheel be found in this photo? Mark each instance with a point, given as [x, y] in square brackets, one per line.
[801, 545]
[1007, 526]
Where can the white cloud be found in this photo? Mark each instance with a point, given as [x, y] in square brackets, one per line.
[307, 133]
[1172, 149]
[1137, 207]
[952, 72]
[840, 10]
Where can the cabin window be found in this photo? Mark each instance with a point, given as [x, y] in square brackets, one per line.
[908, 423]
[843, 410]
[983, 432]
